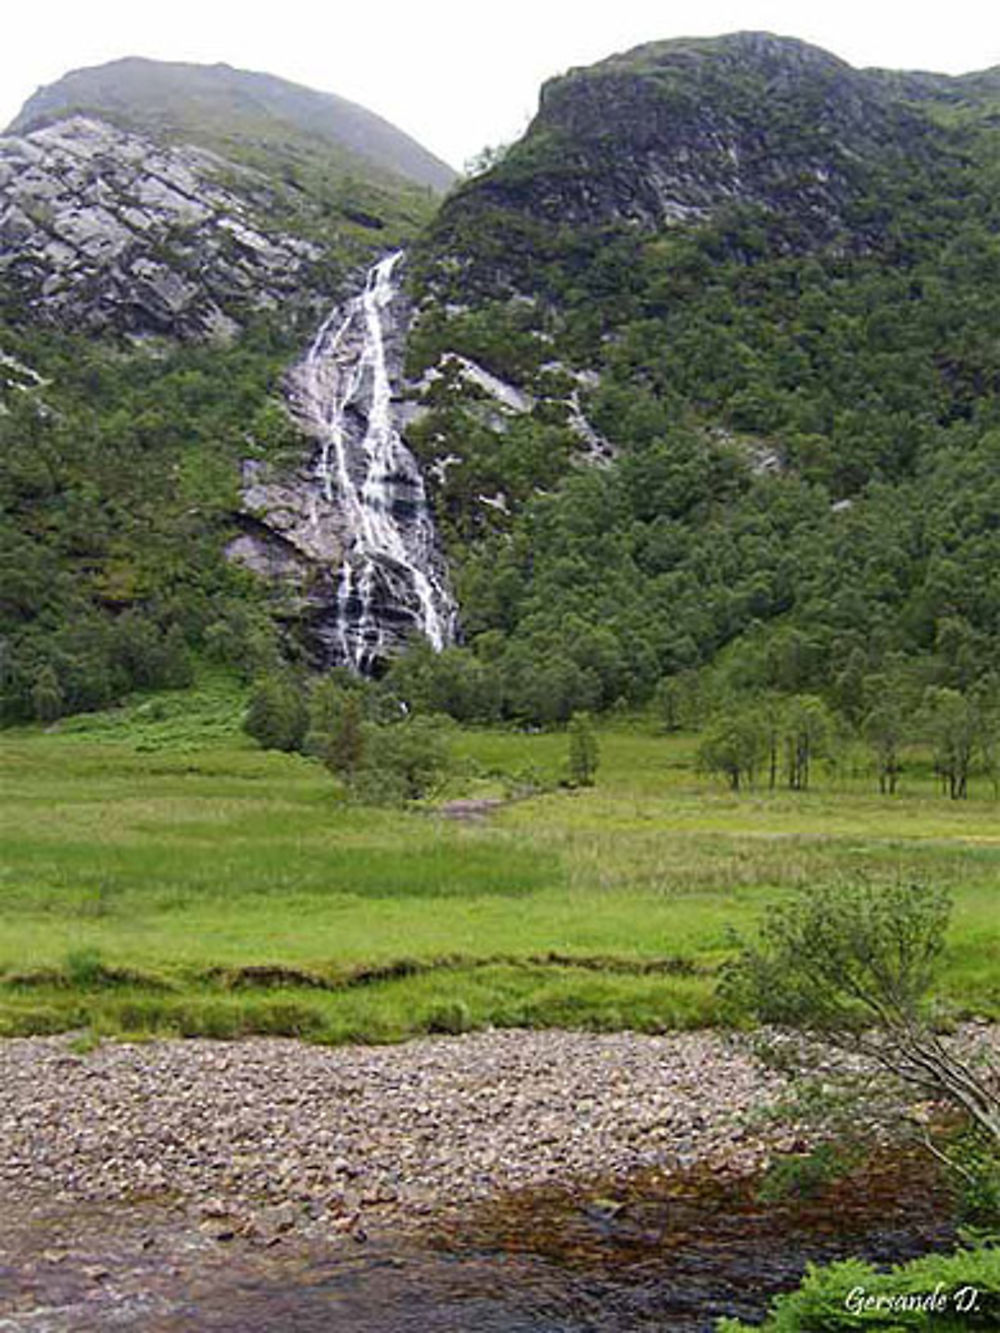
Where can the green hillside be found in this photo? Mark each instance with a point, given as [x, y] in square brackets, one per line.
[241, 114]
[707, 376]
[770, 282]
[152, 297]
[118, 491]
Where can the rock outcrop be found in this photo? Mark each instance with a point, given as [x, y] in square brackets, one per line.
[106, 231]
[144, 197]
[674, 133]
[296, 540]
[348, 539]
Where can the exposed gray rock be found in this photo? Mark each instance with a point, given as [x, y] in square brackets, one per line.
[346, 395]
[672, 132]
[105, 230]
[293, 536]
[598, 447]
[15, 373]
[347, 539]
[507, 395]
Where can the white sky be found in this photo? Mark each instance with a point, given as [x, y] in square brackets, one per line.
[459, 75]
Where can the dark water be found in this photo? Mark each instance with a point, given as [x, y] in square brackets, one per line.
[664, 1253]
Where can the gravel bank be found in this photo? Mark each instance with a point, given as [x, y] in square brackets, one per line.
[223, 1186]
[262, 1136]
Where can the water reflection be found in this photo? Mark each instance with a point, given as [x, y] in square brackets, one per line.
[654, 1252]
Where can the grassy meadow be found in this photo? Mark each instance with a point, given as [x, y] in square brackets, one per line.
[160, 873]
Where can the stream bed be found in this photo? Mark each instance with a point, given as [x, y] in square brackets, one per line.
[654, 1251]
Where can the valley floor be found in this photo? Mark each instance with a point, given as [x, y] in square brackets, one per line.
[546, 965]
[160, 875]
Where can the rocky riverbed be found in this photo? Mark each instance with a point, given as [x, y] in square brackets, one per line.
[273, 1133]
[130, 1173]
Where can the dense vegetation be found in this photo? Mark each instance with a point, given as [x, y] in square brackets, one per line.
[118, 490]
[806, 432]
[945, 1293]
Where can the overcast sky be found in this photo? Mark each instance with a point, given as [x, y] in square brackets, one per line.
[458, 75]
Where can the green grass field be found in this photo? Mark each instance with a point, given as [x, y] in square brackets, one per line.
[162, 874]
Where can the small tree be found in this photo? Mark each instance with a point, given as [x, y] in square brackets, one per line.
[177, 670]
[47, 701]
[486, 159]
[583, 751]
[675, 701]
[808, 729]
[852, 964]
[885, 729]
[952, 724]
[346, 744]
[276, 716]
[734, 745]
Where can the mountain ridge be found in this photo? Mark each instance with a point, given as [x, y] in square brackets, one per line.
[144, 197]
[201, 103]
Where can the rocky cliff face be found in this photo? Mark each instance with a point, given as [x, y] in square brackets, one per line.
[349, 540]
[295, 539]
[105, 231]
[675, 133]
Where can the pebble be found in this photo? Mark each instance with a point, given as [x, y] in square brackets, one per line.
[263, 1133]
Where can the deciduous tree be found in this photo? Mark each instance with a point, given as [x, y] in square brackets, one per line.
[851, 964]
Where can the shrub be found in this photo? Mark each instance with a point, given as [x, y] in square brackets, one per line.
[84, 968]
[583, 752]
[975, 1171]
[47, 700]
[276, 716]
[852, 963]
[449, 1016]
[402, 762]
[803, 1175]
[946, 1293]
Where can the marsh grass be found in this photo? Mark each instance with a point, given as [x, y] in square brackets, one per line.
[152, 852]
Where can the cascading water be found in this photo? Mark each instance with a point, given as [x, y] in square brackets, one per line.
[392, 580]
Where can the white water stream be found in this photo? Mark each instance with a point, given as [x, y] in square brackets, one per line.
[391, 579]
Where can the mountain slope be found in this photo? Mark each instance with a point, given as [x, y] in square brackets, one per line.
[234, 112]
[141, 197]
[759, 290]
[154, 292]
[703, 377]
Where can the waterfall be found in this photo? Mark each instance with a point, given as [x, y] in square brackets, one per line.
[392, 577]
